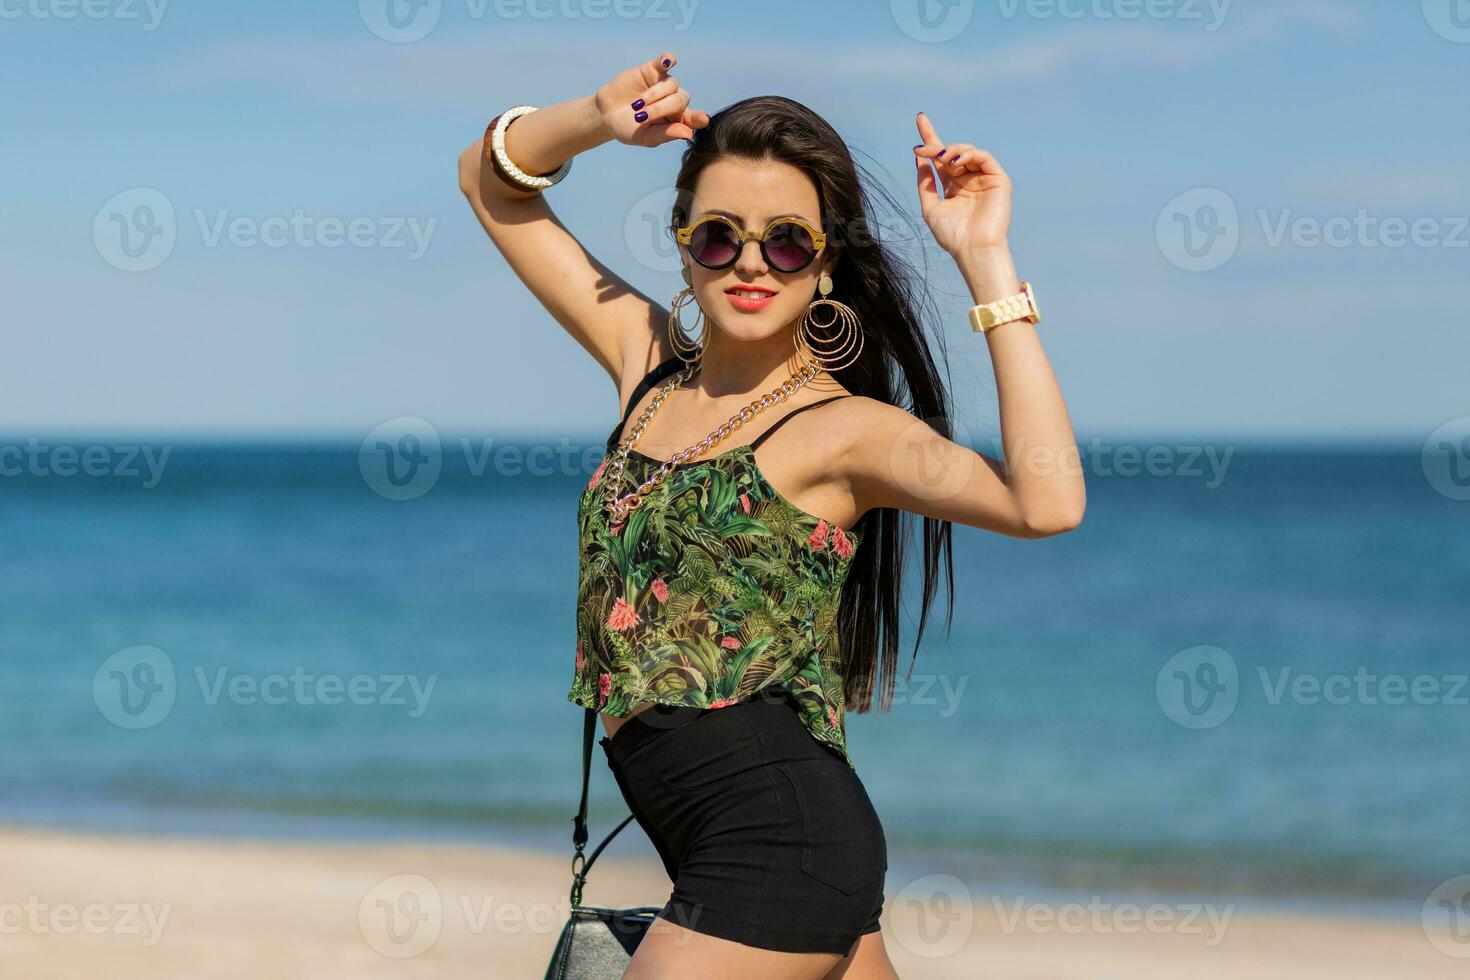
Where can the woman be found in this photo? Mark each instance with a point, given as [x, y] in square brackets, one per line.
[715, 586]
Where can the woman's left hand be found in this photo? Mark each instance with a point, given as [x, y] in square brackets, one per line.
[973, 209]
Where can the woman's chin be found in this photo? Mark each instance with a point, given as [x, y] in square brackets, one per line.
[751, 327]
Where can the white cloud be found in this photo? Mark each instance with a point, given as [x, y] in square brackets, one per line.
[460, 71]
[1135, 46]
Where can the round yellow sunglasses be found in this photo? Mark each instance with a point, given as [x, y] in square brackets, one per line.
[787, 244]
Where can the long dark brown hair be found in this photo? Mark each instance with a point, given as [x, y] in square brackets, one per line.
[896, 361]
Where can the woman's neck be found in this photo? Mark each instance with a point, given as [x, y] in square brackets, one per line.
[730, 367]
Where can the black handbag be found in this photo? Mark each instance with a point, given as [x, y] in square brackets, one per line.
[596, 943]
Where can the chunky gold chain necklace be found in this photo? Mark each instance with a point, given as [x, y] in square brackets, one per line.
[618, 508]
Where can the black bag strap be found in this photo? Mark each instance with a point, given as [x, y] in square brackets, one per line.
[795, 411]
[660, 371]
[581, 863]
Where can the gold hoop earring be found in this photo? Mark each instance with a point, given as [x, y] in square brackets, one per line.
[689, 351]
[832, 352]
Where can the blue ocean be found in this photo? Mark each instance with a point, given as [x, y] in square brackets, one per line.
[1245, 673]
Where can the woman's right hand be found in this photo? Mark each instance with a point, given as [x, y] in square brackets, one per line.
[665, 101]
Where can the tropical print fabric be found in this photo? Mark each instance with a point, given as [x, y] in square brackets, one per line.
[713, 589]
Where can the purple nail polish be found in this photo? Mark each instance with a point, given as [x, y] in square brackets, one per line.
[667, 62]
[639, 116]
[637, 104]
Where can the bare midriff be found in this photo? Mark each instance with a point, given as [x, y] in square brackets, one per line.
[611, 723]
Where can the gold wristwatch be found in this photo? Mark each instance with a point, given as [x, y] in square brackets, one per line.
[1021, 306]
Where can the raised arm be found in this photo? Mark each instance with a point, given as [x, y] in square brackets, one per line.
[624, 330]
[1039, 490]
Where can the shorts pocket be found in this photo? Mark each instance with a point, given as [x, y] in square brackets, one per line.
[843, 843]
[695, 758]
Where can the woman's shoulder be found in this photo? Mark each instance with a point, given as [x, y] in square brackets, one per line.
[866, 432]
[861, 418]
[834, 429]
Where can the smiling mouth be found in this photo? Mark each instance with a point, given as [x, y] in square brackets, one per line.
[750, 293]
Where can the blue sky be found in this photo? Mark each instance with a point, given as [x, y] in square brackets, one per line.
[1331, 304]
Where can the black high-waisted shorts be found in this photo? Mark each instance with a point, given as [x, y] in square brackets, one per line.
[767, 834]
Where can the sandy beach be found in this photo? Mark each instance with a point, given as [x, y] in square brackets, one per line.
[119, 907]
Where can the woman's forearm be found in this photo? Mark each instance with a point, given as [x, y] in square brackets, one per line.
[989, 272]
[1036, 436]
[541, 141]
[538, 142]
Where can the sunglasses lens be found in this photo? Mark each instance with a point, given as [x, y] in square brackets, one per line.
[789, 247]
[713, 244]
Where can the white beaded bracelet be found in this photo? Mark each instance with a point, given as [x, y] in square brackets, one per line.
[530, 182]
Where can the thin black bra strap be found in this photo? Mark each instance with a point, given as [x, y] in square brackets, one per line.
[660, 371]
[795, 411]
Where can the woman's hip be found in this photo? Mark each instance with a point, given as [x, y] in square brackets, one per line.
[693, 747]
[751, 775]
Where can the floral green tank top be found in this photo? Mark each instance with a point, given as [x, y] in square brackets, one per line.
[714, 589]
